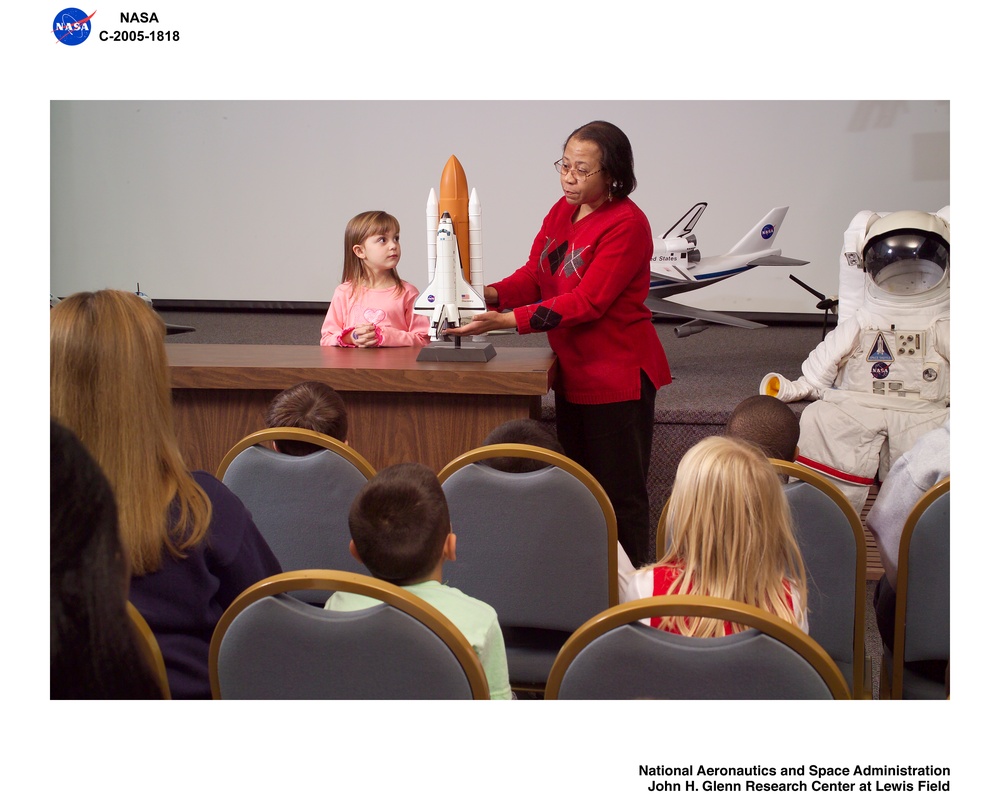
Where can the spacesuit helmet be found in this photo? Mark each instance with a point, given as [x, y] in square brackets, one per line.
[907, 252]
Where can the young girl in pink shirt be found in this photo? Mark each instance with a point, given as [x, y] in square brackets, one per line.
[730, 536]
[373, 307]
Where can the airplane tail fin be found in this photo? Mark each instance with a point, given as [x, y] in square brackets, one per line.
[762, 234]
[686, 223]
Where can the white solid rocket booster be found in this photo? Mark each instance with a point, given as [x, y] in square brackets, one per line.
[432, 233]
[475, 243]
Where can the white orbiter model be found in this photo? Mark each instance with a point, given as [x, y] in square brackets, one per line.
[453, 296]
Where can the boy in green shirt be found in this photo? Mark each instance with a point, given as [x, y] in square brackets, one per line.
[401, 532]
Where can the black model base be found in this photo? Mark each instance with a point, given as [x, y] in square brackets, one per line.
[447, 350]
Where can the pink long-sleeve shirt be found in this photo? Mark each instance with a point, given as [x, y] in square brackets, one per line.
[390, 311]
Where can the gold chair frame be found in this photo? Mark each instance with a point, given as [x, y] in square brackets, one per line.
[940, 488]
[862, 677]
[564, 463]
[150, 648]
[338, 581]
[698, 606]
[299, 435]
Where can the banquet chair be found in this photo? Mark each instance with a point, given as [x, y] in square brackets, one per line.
[269, 645]
[923, 600]
[540, 547]
[832, 540]
[617, 656]
[299, 503]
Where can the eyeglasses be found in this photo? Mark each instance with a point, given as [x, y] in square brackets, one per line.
[581, 174]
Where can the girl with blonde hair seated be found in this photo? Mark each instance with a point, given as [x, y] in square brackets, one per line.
[730, 536]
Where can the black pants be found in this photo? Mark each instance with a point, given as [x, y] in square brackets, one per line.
[613, 442]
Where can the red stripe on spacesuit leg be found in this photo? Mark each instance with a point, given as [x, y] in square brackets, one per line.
[834, 473]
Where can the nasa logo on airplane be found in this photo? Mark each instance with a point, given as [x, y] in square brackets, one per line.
[72, 26]
[767, 232]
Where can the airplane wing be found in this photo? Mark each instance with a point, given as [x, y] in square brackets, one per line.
[776, 261]
[670, 309]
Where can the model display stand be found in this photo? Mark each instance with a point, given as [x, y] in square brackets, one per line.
[456, 349]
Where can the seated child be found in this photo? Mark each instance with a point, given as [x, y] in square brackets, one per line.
[401, 532]
[730, 536]
[521, 431]
[312, 405]
[533, 432]
[768, 423]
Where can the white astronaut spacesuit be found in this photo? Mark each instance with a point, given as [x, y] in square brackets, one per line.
[881, 377]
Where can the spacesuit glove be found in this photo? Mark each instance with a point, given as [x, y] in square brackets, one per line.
[785, 390]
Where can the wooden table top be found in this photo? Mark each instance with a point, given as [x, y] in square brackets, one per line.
[513, 371]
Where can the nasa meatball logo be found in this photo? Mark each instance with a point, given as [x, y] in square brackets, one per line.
[72, 26]
[880, 370]
[767, 232]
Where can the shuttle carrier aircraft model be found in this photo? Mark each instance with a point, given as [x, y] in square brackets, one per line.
[677, 266]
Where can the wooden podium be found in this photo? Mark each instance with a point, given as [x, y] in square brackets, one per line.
[398, 409]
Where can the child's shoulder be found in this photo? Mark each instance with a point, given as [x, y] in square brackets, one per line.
[455, 597]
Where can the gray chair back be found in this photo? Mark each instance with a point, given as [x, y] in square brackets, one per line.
[299, 503]
[831, 538]
[923, 594]
[270, 645]
[540, 547]
[616, 657]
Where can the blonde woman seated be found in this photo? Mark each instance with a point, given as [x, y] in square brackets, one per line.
[190, 544]
[729, 536]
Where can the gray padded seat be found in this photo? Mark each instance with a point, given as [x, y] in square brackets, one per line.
[300, 504]
[827, 541]
[269, 645]
[928, 600]
[535, 546]
[616, 657]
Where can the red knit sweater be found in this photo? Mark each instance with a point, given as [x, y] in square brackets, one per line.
[585, 284]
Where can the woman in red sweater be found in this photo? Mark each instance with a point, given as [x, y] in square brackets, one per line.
[585, 285]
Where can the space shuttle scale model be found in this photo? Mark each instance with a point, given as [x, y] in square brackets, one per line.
[450, 299]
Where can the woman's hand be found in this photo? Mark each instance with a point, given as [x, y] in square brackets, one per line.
[483, 323]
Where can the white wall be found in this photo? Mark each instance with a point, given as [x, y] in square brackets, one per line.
[247, 200]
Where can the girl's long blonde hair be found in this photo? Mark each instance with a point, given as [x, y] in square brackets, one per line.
[730, 530]
[361, 226]
[110, 384]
